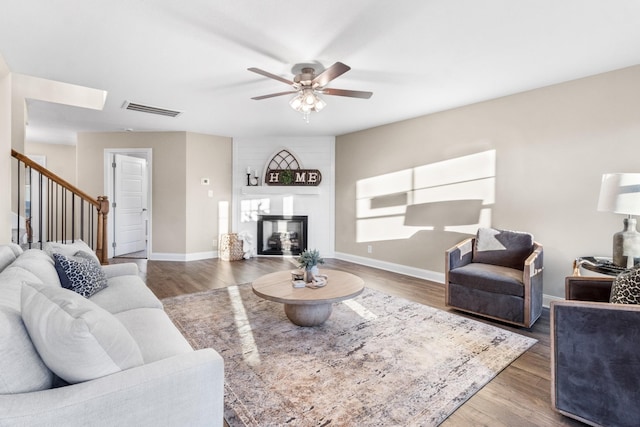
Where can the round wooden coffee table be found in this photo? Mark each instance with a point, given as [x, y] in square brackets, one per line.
[307, 306]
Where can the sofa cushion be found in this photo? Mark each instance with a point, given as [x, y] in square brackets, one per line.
[7, 256]
[489, 278]
[155, 333]
[11, 280]
[21, 369]
[81, 273]
[502, 247]
[120, 269]
[39, 263]
[17, 250]
[69, 249]
[626, 288]
[75, 338]
[126, 293]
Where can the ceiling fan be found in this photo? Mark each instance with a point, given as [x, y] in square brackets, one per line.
[308, 86]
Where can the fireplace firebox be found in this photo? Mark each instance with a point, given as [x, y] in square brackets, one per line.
[282, 234]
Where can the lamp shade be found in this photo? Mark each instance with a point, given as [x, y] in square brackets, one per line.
[620, 193]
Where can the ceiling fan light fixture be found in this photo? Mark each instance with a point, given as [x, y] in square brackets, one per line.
[296, 102]
[309, 96]
[306, 101]
[320, 104]
[307, 85]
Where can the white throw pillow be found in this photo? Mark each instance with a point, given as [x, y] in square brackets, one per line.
[21, 368]
[76, 339]
[69, 249]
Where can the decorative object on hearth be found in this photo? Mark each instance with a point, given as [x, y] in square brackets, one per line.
[230, 247]
[620, 193]
[309, 260]
[248, 246]
[378, 360]
[308, 86]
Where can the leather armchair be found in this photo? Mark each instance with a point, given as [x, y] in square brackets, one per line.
[500, 280]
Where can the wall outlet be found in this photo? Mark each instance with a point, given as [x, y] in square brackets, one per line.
[369, 249]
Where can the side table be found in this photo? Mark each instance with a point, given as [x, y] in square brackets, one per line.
[591, 288]
[602, 265]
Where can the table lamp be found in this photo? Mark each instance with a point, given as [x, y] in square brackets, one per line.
[620, 193]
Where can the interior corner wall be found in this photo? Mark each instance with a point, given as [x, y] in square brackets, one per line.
[168, 179]
[5, 150]
[552, 146]
[208, 157]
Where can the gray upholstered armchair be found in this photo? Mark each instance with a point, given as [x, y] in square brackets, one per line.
[496, 274]
[595, 353]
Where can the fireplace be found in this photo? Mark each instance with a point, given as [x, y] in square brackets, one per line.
[282, 234]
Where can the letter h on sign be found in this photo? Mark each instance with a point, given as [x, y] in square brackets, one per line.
[274, 177]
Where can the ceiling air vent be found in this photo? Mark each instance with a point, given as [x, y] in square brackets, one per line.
[149, 109]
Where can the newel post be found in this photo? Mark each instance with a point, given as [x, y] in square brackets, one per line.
[101, 240]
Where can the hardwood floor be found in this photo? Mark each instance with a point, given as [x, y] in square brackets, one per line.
[518, 396]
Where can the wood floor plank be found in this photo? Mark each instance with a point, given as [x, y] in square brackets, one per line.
[519, 396]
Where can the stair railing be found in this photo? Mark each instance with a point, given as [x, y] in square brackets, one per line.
[49, 209]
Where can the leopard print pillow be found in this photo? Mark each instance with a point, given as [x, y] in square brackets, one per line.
[626, 288]
[81, 273]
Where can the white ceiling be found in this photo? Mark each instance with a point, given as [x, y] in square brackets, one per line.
[416, 56]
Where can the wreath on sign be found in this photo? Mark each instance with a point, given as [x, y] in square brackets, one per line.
[287, 176]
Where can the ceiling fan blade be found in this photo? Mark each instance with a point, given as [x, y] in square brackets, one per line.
[271, 95]
[271, 76]
[336, 70]
[349, 93]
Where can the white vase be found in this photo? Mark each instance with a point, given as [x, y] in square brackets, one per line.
[310, 272]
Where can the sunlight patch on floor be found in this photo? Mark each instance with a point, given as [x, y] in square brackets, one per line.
[249, 349]
[360, 310]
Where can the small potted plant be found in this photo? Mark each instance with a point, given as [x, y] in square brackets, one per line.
[309, 260]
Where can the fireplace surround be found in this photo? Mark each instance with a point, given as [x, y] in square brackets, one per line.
[282, 234]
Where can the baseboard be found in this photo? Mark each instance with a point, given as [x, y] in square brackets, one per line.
[195, 256]
[433, 276]
[546, 300]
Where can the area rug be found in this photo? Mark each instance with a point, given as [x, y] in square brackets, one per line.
[378, 360]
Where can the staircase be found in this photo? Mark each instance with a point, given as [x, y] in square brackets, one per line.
[46, 208]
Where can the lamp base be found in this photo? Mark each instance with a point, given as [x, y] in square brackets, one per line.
[626, 245]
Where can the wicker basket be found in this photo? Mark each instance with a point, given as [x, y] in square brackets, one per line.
[230, 248]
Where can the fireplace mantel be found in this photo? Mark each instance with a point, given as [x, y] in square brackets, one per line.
[281, 190]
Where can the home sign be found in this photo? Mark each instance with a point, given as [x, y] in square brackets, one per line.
[293, 177]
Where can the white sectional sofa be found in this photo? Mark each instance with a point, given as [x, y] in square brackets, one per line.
[113, 359]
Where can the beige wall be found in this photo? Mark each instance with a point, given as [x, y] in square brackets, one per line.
[61, 159]
[552, 146]
[168, 178]
[5, 152]
[207, 157]
[171, 205]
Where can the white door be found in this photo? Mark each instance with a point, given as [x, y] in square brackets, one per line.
[130, 204]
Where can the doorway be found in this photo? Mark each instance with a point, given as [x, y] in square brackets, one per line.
[128, 186]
